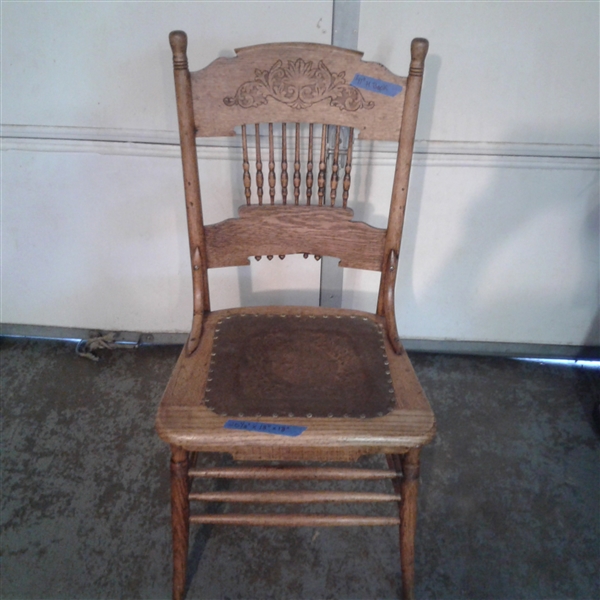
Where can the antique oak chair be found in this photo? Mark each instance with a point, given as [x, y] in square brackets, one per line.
[295, 384]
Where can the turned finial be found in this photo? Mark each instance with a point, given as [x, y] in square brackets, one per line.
[418, 49]
[418, 52]
[178, 41]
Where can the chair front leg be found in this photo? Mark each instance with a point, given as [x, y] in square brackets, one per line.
[180, 517]
[409, 489]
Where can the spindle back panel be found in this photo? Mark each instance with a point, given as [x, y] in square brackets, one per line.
[296, 191]
[294, 163]
[299, 110]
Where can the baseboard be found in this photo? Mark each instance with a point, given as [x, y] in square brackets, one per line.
[506, 349]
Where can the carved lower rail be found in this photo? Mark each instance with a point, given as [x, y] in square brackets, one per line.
[269, 230]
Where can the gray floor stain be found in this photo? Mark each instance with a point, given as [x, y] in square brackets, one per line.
[509, 504]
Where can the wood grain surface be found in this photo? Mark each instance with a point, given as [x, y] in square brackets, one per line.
[185, 421]
[332, 88]
[316, 78]
[293, 520]
[271, 230]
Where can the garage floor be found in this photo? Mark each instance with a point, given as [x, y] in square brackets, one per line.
[509, 505]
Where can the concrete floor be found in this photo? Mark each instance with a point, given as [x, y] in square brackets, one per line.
[509, 505]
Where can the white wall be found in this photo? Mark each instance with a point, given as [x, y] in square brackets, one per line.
[109, 65]
[501, 239]
[525, 72]
[94, 232]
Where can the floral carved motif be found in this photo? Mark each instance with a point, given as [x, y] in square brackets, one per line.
[298, 85]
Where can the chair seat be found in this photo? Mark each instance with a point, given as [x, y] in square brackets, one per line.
[329, 370]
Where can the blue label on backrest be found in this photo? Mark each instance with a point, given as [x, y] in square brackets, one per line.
[376, 85]
[273, 428]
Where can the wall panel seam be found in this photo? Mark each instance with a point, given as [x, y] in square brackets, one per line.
[372, 157]
[170, 138]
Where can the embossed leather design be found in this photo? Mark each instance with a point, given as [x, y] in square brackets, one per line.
[296, 365]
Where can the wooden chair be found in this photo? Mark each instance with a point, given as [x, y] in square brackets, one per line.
[283, 383]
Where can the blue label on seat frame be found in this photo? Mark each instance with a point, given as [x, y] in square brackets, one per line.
[272, 428]
[376, 85]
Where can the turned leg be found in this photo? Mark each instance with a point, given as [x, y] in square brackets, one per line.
[180, 516]
[409, 489]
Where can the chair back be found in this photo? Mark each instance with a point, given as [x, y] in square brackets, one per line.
[299, 108]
